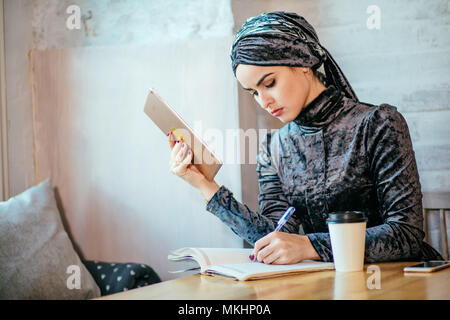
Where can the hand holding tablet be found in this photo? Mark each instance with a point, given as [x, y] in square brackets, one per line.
[203, 159]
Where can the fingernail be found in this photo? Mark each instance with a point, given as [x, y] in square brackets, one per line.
[182, 144]
[251, 257]
[167, 134]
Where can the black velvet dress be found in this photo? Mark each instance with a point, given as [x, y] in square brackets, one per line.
[338, 154]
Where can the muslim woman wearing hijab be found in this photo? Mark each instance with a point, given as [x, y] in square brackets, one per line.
[334, 153]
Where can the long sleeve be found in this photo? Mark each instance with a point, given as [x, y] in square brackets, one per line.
[246, 223]
[394, 172]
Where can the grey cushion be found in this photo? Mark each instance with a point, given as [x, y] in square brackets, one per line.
[36, 252]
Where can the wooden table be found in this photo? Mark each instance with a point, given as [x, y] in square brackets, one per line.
[395, 284]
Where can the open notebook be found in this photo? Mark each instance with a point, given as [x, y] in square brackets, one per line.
[235, 263]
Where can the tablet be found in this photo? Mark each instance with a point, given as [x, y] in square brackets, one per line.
[168, 120]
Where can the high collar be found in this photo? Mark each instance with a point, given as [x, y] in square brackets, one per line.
[322, 110]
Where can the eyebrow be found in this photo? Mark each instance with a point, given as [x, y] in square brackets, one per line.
[260, 80]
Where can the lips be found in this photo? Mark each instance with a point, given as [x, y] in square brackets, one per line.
[277, 112]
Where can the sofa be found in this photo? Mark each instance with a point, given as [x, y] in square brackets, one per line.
[38, 259]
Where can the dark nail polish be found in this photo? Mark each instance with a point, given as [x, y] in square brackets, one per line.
[251, 257]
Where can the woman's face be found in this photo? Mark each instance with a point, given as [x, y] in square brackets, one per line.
[282, 91]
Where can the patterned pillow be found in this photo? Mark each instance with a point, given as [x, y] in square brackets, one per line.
[113, 277]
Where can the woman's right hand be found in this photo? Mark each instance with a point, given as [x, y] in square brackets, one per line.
[181, 165]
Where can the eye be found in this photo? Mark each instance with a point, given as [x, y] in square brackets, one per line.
[270, 85]
[255, 93]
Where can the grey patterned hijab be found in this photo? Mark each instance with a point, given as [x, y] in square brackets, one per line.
[287, 39]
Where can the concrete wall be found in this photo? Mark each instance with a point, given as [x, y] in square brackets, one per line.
[18, 42]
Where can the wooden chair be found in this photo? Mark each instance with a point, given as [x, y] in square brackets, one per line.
[437, 203]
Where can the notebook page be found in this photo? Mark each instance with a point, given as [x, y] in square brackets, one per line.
[216, 256]
[211, 256]
[258, 270]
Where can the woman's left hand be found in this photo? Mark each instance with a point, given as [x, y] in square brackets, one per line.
[283, 248]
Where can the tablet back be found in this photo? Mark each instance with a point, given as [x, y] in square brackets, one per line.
[168, 120]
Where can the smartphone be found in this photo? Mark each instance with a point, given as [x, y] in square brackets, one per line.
[428, 266]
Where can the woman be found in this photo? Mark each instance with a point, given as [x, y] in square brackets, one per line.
[334, 153]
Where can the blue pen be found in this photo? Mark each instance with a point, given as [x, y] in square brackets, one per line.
[284, 218]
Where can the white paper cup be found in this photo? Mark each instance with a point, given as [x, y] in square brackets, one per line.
[348, 235]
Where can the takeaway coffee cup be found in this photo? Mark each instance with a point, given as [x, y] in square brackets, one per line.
[348, 235]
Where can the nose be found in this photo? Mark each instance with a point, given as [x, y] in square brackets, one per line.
[265, 101]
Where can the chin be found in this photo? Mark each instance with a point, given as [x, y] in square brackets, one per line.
[285, 118]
